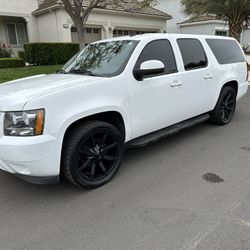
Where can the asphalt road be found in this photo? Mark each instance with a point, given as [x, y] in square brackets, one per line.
[158, 200]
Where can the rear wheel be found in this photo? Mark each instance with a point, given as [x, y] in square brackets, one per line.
[225, 107]
[92, 154]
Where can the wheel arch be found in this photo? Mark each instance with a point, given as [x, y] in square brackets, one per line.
[230, 83]
[233, 84]
[112, 117]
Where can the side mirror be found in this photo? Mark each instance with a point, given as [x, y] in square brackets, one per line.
[152, 67]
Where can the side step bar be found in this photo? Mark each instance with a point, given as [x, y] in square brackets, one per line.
[165, 132]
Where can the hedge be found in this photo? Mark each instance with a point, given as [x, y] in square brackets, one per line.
[21, 54]
[11, 63]
[49, 53]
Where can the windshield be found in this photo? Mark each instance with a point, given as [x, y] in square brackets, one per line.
[103, 59]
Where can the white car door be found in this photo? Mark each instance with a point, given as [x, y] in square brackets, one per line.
[198, 77]
[156, 101]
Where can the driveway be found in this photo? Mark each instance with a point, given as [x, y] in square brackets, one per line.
[158, 200]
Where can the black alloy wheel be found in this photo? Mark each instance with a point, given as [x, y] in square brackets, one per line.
[98, 155]
[228, 107]
[92, 154]
[225, 108]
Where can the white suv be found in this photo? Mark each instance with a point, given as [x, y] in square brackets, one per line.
[117, 93]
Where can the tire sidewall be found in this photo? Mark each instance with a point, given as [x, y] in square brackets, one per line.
[83, 135]
[216, 114]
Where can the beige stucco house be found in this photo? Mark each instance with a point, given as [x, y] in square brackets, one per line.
[102, 23]
[23, 21]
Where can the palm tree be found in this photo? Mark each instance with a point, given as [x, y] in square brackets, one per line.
[235, 12]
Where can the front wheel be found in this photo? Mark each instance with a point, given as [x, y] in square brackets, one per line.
[92, 154]
[225, 107]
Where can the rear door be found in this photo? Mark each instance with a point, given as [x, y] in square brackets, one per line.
[197, 76]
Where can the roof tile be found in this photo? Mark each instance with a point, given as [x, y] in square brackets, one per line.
[202, 18]
[144, 10]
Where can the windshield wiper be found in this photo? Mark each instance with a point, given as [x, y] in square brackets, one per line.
[82, 72]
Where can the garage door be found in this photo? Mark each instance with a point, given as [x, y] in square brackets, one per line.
[91, 35]
[123, 32]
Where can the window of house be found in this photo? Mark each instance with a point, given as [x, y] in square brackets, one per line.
[89, 31]
[160, 50]
[120, 32]
[221, 33]
[16, 33]
[193, 54]
[96, 31]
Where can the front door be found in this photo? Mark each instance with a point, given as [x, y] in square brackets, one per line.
[156, 102]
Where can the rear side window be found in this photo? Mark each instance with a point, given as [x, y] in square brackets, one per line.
[226, 51]
[159, 50]
[193, 54]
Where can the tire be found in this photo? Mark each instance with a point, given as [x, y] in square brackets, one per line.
[224, 110]
[92, 154]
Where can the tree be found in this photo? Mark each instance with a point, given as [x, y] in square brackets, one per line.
[235, 12]
[79, 11]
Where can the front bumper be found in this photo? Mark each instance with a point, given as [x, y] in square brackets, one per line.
[35, 159]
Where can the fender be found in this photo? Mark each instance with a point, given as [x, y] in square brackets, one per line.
[96, 111]
[220, 86]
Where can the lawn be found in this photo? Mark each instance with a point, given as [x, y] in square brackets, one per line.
[16, 73]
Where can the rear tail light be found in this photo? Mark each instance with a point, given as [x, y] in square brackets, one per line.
[247, 71]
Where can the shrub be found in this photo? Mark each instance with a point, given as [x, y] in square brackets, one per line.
[5, 52]
[21, 54]
[49, 53]
[11, 63]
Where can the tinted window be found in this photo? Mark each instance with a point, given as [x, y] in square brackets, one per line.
[226, 51]
[159, 50]
[193, 54]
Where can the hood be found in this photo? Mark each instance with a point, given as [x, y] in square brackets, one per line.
[15, 94]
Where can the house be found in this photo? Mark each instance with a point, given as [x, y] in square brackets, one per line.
[17, 24]
[210, 25]
[47, 21]
[207, 24]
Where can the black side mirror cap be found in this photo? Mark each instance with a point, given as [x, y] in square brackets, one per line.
[139, 74]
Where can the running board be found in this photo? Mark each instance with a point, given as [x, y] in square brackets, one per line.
[156, 136]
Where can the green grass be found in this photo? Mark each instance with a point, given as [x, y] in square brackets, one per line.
[16, 73]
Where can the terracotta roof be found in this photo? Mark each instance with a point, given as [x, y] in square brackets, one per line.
[144, 10]
[203, 18]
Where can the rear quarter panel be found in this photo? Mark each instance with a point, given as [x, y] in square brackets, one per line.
[224, 73]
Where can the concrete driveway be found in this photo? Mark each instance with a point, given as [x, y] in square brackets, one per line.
[158, 200]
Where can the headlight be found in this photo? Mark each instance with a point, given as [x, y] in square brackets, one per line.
[24, 123]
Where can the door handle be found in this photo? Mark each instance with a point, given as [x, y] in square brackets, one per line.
[208, 77]
[176, 84]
